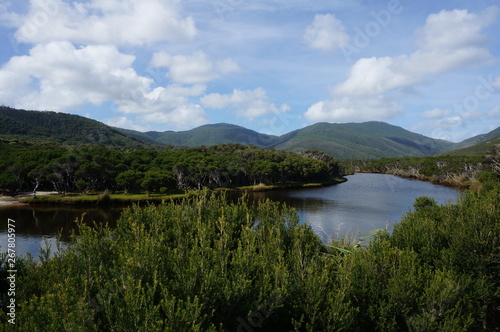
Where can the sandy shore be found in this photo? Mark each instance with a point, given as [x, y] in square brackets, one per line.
[13, 200]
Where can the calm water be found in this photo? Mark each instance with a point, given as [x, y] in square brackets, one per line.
[364, 203]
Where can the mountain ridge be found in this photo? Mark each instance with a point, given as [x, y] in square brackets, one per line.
[345, 141]
[70, 129]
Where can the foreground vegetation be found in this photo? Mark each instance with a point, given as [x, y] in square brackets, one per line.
[208, 265]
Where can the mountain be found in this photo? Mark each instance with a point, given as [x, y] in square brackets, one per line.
[60, 128]
[211, 134]
[368, 140]
[478, 139]
[478, 149]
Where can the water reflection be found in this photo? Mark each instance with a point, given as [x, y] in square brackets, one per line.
[357, 207]
[365, 203]
[37, 226]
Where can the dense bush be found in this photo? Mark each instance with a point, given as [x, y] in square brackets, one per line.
[459, 171]
[209, 265]
[41, 166]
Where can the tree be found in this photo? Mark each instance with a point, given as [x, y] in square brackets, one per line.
[155, 180]
[36, 175]
[130, 180]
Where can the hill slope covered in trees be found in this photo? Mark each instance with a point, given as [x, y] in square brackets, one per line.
[60, 128]
[346, 141]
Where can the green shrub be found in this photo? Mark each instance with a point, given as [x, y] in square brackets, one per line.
[208, 265]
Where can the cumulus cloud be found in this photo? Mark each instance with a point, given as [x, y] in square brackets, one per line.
[130, 22]
[449, 40]
[326, 33]
[353, 109]
[192, 69]
[126, 123]
[184, 117]
[58, 76]
[247, 103]
[434, 113]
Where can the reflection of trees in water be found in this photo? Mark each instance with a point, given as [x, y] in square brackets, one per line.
[39, 221]
[309, 204]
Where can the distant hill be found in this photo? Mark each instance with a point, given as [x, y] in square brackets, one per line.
[478, 139]
[346, 141]
[368, 140]
[478, 149]
[60, 128]
[211, 134]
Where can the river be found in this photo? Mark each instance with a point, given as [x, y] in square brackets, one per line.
[355, 208]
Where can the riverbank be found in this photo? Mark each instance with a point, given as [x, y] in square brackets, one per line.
[127, 199]
[291, 185]
[459, 184]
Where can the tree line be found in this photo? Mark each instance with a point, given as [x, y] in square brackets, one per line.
[42, 166]
[459, 171]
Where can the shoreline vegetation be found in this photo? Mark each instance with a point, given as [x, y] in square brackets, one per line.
[207, 264]
[460, 172]
[107, 198]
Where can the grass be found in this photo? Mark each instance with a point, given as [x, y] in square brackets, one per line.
[107, 198]
[102, 199]
[291, 185]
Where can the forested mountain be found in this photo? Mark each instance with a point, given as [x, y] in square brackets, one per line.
[346, 141]
[60, 128]
[211, 134]
[477, 139]
[478, 149]
[369, 140]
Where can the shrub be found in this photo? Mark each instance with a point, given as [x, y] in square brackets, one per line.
[209, 265]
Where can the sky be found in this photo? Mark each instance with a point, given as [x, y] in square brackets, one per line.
[273, 66]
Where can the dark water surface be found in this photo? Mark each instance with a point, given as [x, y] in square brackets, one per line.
[362, 204]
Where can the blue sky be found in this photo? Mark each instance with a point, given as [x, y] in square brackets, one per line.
[269, 65]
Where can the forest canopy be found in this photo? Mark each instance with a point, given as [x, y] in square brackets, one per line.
[42, 166]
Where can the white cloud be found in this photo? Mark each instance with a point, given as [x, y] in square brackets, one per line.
[57, 76]
[348, 109]
[131, 22]
[435, 113]
[227, 66]
[183, 117]
[192, 69]
[326, 33]
[161, 99]
[125, 123]
[247, 103]
[448, 41]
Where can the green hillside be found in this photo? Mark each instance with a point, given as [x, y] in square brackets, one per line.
[477, 139]
[60, 128]
[368, 140]
[346, 141]
[479, 149]
[211, 134]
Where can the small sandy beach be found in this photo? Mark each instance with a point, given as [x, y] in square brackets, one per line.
[15, 200]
